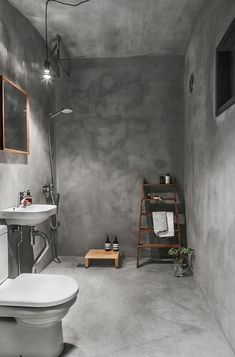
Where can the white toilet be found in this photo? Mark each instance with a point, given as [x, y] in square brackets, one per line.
[31, 309]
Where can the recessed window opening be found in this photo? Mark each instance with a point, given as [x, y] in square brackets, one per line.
[225, 71]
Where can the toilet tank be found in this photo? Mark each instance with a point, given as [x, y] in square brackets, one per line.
[3, 253]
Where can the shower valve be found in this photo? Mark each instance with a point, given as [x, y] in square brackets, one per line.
[46, 189]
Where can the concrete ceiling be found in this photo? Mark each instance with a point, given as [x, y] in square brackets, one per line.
[117, 28]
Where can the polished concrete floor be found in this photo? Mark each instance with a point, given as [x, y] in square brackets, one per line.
[138, 313]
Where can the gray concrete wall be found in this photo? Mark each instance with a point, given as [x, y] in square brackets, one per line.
[127, 124]
[21, 60]
[210, 170]
[111, 28]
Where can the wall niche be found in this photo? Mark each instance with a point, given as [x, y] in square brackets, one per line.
[225, 70]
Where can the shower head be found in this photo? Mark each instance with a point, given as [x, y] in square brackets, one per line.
[62, 110]
[66, 110]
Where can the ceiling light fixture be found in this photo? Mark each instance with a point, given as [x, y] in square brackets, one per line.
[47, 66]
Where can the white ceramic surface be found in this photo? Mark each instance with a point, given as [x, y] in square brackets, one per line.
[38, 290]
[28, 216]
[3, 254]
[3, 229]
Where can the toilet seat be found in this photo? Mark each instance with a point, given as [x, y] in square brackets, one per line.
[37, 290]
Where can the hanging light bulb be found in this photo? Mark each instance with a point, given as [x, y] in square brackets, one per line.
[46, 70]
[47, 76]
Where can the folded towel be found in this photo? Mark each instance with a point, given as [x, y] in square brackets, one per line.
[170, 223]
[170, 231]
[160, 222]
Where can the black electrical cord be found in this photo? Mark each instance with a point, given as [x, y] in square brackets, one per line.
[46, 17]
[69, 4]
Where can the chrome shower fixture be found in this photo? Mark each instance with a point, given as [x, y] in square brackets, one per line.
[61, 111]
[66, 110]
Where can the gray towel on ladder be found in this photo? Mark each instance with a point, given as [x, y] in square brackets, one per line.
[160, 222]
[158, 218]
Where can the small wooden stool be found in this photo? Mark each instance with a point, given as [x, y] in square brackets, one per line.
[101, 254]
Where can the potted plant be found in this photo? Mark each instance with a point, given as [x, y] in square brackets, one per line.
[182, 260]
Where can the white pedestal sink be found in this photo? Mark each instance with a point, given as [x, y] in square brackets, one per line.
[27, 216]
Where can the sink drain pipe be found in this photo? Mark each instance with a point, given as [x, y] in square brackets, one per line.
[33, 235]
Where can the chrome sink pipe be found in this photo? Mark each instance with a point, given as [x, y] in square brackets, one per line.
[46, 247]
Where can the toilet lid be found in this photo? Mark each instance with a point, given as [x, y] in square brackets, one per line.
[37, 290]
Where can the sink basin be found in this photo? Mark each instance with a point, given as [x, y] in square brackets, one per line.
[28, 216]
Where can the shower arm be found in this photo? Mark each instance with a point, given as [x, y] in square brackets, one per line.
[50, 148]
[64, 111]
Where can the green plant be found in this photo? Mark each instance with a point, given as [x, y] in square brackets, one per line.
[182, 258]
[181, 254]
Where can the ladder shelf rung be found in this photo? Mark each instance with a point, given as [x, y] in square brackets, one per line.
[158, 245]
[158, 200]
[146, 214]
[150, 213]
[158, 184]
[142, 229]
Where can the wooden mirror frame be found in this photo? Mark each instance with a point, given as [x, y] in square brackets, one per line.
[3, 146]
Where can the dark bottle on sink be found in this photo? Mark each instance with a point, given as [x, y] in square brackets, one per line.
[29, 197]
[107, 244]
[115, 245]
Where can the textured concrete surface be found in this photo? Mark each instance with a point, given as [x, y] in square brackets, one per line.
[138, 313]
[111, 28]
[210, 170]
[127, 124]
[21, 58]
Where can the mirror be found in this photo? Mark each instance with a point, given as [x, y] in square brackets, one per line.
[14, 125]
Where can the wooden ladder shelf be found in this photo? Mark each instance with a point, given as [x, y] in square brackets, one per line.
[164, 194]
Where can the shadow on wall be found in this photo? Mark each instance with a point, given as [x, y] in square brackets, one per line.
[9, 158]
[108, 95]
[68, 349]
[123, 128]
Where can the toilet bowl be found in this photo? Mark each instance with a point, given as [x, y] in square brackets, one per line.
[31, 309]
